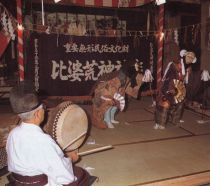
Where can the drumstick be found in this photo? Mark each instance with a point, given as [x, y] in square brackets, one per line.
[74, 140]
[95, 150]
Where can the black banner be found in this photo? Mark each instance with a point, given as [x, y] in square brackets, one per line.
[63, 65]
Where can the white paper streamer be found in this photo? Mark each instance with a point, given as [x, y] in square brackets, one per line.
[7, 25]
[147, 76]
[11, 29]
[183, 53]
[4, 22]
[205, 75]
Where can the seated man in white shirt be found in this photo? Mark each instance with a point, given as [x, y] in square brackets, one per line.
[34, 158]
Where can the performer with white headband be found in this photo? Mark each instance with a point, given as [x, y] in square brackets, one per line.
[171, 95]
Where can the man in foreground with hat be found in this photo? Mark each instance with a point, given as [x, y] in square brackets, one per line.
[34, 158]
[172, 92]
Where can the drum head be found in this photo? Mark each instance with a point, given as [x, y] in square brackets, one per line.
[68, 124]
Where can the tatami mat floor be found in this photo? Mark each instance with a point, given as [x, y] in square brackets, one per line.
[140, 154]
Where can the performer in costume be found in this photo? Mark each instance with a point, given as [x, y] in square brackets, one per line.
[135, 75]
[171, 95]
[34, 158]
[110, 91]
[105, 105]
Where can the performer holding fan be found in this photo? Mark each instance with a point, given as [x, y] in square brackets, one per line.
[171, 95]
[109, 93]
[108, 98]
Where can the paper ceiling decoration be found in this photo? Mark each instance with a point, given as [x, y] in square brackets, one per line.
[7, 28]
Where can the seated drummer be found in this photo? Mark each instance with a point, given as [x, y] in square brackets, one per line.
[34, 158]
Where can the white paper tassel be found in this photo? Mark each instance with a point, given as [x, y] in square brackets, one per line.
[205, 75]
[183, 53]
[4, 22]
[11, 29]
[7, 25]
[147, 76]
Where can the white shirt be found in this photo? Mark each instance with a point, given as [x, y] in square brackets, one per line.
[32, 152]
